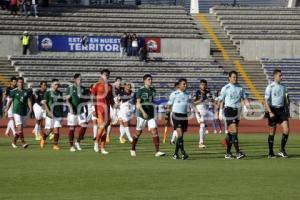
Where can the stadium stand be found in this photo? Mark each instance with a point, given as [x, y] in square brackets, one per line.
[165, 72]
[205, 5]
[259, 22]
[150, 21]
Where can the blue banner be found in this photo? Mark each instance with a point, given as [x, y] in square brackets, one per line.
[78, 43]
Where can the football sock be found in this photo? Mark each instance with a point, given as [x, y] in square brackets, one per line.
[284, 141]
[155, 141]
[229, 142]
[127, 131]
[271, 143]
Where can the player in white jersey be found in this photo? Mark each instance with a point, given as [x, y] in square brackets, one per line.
[201, 100]
[127, 108]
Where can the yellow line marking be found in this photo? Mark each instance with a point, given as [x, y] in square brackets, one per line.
[213, 36]
[246, 78]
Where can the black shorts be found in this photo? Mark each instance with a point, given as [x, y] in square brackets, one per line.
[280, 115]
[180, 121]
[232, 115]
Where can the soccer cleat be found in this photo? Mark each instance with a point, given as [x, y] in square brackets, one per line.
[206, 132]
[283, 154]
[56, 147]
[202, 146]
[104, 152]
[25, 145]
[220, 132]
[215, 132]
[159, 154]
[172, 142]
[185, 156]
[132, 153]
[175, 156]
[96, 147]
[72, 149]
[42, 143]
[240, 155]
[271, 156]
[37, 137]
[51, 136]
[228, 156]
[122, 141]
[78, 147]
[14, 145]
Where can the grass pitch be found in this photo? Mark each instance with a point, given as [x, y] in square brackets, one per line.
[43, 174]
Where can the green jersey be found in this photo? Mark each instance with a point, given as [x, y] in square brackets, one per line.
[19, 101]
[76, 95]
[146, 96]
[54, 101]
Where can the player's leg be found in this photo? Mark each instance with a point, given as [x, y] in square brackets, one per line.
[202, 129]
[48, 129]
[122, 132]
[19, 120]
[72, 123]
[140, 125]
[284, 139]
[82, 120]
[174, 136]
[180, 124]
[272, 122]
[127, 130]
[38, 114]
[57, 126]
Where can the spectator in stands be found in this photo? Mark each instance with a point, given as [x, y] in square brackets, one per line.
[129, 45]
[25, 7]
[25, 42]
[34, 8]
[135, 45]
[143, 54]
[123, 45]
[14, 7]
[5, 4]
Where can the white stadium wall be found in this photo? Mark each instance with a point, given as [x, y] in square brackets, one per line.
[253, 50]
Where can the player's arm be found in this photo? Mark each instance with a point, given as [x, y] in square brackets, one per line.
[267, 100]
[9, 101]
[68, 102]
[29, 105]
[45, 104]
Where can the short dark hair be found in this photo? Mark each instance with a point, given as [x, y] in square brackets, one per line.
[54, 80]
[181, 80]
[203, 81]
[20, 78]
[13, 78]
[105, 71]
[232, 72]
[118, 78]
[176, 84]
[77, 75]
[147, 76]
[42, 82]
[276, 71]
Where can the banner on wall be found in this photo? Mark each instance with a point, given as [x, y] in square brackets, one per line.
[153, 45]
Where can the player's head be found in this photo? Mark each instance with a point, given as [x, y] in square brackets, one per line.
[77, 78]
[105, 74]
[13, 81]
[176, 85]
[233, 77]
[54, 84]
[43, 85]
[182, 83]
[127, 86]
[20, 82]
[147, 78]
[203, 84]
[277, 75]
[118, 81]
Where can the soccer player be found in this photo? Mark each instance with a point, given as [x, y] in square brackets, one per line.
[21, 101]
[127, 101]
[168, 116]
[76, 101]
[146, 115]
[231, 97]
[9, 114]
[277, 106]
[102, 92]
[180, 102]
[201, 101]
[39, 112]
[53, 104]
[116, 90]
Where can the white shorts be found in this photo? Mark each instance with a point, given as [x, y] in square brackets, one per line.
[91, 116]
[19, 120]
[205, 115]
[39, 112]
[126, 112]
[141, 123]
[114, 115]
[52, 123]
[74, 120]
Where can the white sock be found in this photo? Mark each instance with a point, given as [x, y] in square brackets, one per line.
[11, 125]
[108, 130]
[127, 132]
[122, 131]
[35, 130]
[95, 129]
[202, 133]
[213, 123]
[174, 136]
